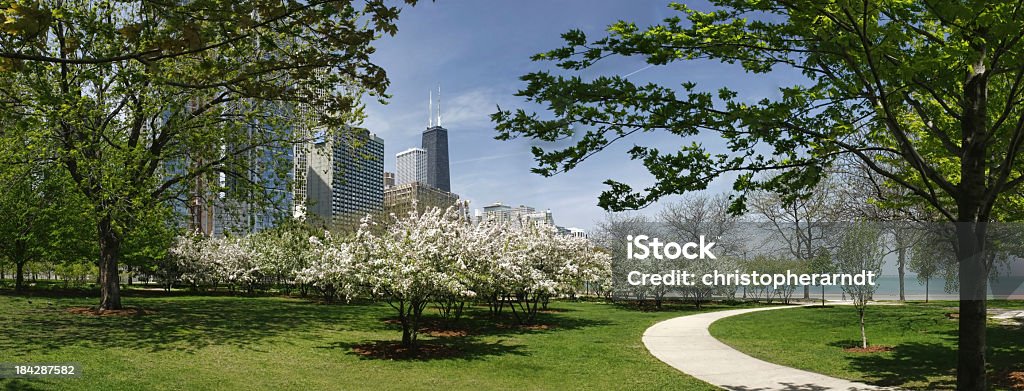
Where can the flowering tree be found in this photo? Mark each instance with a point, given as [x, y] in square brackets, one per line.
[534, 263]
[416, 259]
[286, 250]
[201, 261]
[331, 266]
[409, 262]
[242, 265]
[186, 262]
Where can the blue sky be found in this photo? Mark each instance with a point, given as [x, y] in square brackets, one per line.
[476, 51]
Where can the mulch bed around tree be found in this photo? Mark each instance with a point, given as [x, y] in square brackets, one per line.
[127, 311]
[1012, 380]
[443, 333]
[389, 350]
[869, 349]
[441, 328]
[534, 327]
[435, 328]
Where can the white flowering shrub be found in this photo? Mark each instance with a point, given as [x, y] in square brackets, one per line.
[409, 262]
[239, 261]
[330, 267]
[187, 257]
[534, 263]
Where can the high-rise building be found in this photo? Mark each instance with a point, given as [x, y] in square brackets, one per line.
[319, 179]
[435, 142]
[505, 214]
[260, 197]
[399, 199]
[389, 179]
[358, 166]
[300, 169]
[411, 166]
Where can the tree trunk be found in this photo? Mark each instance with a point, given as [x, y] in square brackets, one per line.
[863, 334]
[902, 271]
[406, 336]
[19, 276]
[971, 360]
[807, 292]
[973, 208]
[110, 247]
[926, 282]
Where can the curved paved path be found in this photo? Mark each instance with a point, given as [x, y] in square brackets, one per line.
[685, 344]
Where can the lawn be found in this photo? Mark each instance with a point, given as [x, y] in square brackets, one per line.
[269, 343]
[922, 337]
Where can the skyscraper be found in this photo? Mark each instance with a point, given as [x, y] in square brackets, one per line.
[411, 166]
[319, 179]
[358, 167]
[435, 142]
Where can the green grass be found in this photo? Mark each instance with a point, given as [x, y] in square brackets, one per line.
[224, 343]
[923, 339]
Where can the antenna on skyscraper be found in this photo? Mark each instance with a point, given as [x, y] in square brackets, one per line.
[430, 110]
[438, 105]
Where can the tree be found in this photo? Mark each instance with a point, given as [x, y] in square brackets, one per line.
[926, 263]
[708, 216]
[924, 94]
[802, 224]
[611, 234]
[905, 218]
[860, 250]
[285, 250]
[411, 264]
[146, 103]
[822, 263]
[331, 266]
[146, 245]
[44, 219]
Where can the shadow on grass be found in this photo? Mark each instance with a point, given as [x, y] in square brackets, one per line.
[33, 384]
[478, 322]
[909, 363]
[173, 325]
[845, 343]
[440, 348]
[191, 324]
[919, 362]
[461, 339]
[56, 291]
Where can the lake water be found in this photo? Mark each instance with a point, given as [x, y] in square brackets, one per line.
[889, 289]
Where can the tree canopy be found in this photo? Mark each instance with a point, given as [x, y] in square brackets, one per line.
[145, 104]
[895, 85]
[925, 94]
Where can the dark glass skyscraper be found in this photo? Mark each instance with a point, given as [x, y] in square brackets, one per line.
[435, 142]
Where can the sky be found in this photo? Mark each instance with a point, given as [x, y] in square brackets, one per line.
[477, 50]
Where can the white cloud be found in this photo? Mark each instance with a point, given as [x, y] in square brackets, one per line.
[471, 109]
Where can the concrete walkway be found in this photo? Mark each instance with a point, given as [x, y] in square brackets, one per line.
[685, 344]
